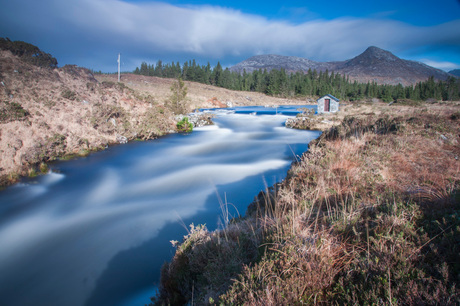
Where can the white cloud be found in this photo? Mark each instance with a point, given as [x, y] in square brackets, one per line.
[447, 66]
[215, 32]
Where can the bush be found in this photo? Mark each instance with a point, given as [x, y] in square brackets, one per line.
[68, 94]
[11, 112]
[29, 53]
[184, 126]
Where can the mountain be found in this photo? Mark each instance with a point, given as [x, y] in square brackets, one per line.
[455, 72]
[272, 61]
[374, 64]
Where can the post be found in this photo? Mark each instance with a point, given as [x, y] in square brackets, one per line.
[118, 67]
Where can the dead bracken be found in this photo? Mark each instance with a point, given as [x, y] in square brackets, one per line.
[369, 215]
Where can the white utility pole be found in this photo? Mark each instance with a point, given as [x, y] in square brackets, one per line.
[118, 67]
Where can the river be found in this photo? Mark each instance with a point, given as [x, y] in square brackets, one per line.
[96, 230]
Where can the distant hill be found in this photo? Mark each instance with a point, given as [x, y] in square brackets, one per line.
[455, 72]
[374, 64]
[28, 53]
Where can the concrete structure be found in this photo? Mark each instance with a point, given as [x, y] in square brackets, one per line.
[328, 104]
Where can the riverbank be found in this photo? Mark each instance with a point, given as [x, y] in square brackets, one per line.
[49, 114]
[370, 214]
[59, 113]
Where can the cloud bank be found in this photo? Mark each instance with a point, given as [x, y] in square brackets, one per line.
[91, 32]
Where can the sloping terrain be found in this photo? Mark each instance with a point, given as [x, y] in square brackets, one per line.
[198, 95]
[383, 67]
[374, 64]
[455, 72]
[48, 113]
[368, 215]
[288, 63]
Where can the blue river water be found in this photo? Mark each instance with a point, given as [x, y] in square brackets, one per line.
[96, 230]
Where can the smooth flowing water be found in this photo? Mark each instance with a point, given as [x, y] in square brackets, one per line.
[96, 230]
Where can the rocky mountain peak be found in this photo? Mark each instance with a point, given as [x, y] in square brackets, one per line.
[376, 52]
[373, 56]
[373, 65]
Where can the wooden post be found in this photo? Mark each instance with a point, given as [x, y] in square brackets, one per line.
[118, 67]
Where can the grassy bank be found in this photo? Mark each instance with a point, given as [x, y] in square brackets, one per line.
[369, 215]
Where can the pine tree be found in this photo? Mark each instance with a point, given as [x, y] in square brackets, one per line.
[159, 69]
[216, 76]
[177, 100]
[144, 69]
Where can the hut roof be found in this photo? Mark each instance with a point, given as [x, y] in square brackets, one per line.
[330, 96]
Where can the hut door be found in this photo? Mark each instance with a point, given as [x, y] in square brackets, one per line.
[327, 105]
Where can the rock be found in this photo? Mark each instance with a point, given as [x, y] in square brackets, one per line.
[179, 117]
[201, 119]
[113, 121]
[122, 139]
[197, 119]
[290, 122]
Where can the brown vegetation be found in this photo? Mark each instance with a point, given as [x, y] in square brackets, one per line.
[48, 113]
[370, 215]
[52, 113]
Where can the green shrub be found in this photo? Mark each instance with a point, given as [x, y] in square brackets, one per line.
[43, 168]
[29, 53]
[11, 112]
[184, 126]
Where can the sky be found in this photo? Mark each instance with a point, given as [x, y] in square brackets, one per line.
[91, 33]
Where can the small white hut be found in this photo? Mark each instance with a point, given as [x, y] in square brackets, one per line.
[328, 104]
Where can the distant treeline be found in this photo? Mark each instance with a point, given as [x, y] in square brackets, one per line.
[312, 83]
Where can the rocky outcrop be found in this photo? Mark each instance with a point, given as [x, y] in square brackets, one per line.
[197, 119]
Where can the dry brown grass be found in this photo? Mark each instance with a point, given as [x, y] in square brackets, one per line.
[38, 103]
[370, 215]
[199, 95]
[69, 102]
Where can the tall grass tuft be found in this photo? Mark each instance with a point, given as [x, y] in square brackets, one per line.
[369, 215]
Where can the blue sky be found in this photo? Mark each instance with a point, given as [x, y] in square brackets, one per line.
[91, 33]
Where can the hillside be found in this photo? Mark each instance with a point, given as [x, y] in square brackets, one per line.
[48, 113]
[374, 64]
[368, 215]
[273, 61]
[455, 72]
